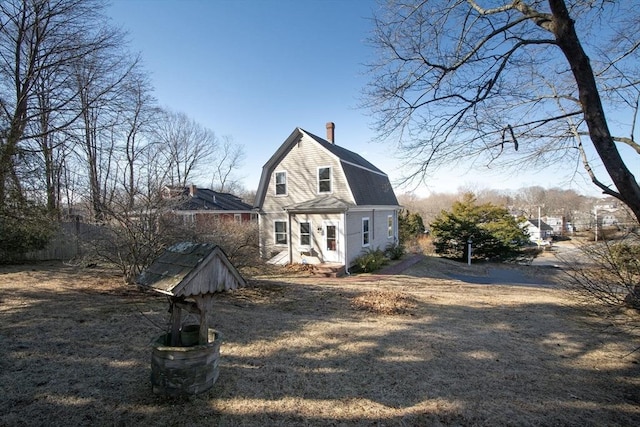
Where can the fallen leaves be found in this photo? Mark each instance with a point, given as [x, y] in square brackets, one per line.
[384, 302]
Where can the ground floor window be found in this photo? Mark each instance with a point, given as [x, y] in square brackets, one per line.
[281, 232]
[365, 231]
[305, 234]
[189, 219]
[390, 226]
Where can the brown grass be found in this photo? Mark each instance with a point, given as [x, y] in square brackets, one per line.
[412, 350]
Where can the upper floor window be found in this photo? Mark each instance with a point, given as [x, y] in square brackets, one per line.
[365, 231]
[281, 232]
[324, 180]
[390, 226]
[281, 183]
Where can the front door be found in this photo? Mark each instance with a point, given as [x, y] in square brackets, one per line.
[331, 249]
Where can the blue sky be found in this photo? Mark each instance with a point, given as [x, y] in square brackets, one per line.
[255, 70]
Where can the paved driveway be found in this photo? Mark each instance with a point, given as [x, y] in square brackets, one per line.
[502, 276]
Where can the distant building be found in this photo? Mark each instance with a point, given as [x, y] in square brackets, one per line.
[202, 207]
[557, 224]
[539, 231]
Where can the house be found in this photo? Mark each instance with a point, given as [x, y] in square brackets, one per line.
[557, 224]
[321, 203]
[202, 207]
[539, 231]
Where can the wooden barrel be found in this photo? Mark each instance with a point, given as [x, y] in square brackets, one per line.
[179, 371]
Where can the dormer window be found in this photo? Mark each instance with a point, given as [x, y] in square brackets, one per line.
[281, 183]
[324, 180]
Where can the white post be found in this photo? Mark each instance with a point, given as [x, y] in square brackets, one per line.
[596, 209]
[539, 228]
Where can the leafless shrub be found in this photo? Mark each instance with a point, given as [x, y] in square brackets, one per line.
[131, 240]
[425, 243]
[239, 241]
[607, 273]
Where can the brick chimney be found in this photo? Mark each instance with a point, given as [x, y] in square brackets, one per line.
[331, 128]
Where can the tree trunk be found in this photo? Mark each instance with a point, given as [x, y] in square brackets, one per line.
[628, 189]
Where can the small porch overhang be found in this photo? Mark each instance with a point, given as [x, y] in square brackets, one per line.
[328, 204]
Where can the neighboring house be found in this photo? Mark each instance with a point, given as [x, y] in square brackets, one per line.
[202, 207]
[607, 211]
[557, 223]
[321, 203]
[539, 231]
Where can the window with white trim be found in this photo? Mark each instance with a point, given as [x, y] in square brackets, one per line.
[324, 180]
[237, 217]
[280, 232]
[390, 226]
[189, 219]
[365, 231]
[305, 234]
[281, 183]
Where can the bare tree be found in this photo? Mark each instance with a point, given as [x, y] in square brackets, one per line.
[228, 160]
[139, 112]
[38, 42]
[100, 79]
[41, 44]
[186, 145]
[511, 83]
[153, 170]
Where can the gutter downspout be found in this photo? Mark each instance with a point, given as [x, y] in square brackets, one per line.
[346, 243]
[290, 244]
[372, 231]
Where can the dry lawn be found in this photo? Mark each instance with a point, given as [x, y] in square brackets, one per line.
[417, 349]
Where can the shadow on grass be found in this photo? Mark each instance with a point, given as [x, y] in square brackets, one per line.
[300, 354]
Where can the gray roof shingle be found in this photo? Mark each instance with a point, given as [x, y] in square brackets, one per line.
[369, 188]
[344, 154]
[206, 199]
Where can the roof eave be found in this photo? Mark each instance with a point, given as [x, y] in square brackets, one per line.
[271, 164]
[316, 210]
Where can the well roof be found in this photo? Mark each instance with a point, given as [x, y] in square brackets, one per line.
[189, 269]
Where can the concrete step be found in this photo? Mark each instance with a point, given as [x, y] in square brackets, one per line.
[329, 270]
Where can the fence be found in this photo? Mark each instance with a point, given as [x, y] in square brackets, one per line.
[65, 245]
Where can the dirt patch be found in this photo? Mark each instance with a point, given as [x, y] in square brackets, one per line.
[384, 302]
[75, 350]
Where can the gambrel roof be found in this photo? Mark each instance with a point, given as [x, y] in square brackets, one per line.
[344, 154]
[367, 184]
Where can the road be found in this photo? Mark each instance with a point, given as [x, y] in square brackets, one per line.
[561, 255]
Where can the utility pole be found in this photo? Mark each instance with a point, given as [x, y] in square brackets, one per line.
[539, 228]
